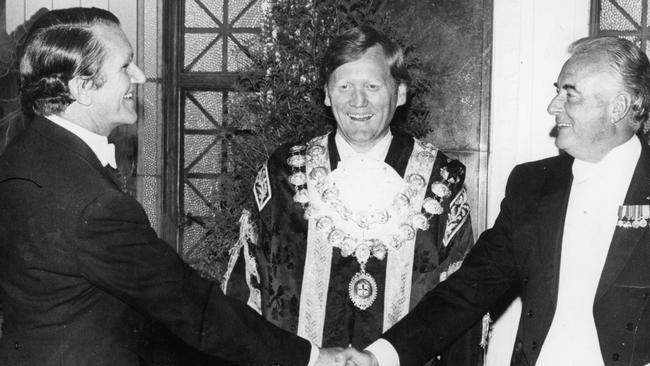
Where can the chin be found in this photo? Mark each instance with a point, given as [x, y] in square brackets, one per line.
[561, 141]
[362, 140]
[131, 119]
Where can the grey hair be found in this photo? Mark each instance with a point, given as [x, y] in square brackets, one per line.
[628, 61]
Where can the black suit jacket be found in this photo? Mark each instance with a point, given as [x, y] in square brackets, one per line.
[523, 249]
[82, 270]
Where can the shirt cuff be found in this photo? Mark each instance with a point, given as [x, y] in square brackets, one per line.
[313, 356]
[384, 352]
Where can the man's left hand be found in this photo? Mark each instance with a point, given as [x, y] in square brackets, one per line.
[353, 357]
[327, 357]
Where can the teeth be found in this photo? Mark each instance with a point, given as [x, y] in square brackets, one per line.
[563, 124]
[128, 95]
[360, 116]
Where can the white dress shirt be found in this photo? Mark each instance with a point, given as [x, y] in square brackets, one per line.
[381, 348]
[596, 192]
[377, 152]
[104, 151]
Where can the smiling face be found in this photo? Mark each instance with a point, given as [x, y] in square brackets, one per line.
[363, 96]
[112, 104]
[583, 107]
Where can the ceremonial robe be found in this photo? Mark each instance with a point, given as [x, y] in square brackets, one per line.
[279, 255]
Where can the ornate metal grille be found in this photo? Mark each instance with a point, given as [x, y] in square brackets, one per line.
[215, 38]
[626, 19]
[622, 18]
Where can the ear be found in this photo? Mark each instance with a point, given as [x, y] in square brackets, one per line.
[620, 107]
[80, 90]
[401, 94]
[327, 100]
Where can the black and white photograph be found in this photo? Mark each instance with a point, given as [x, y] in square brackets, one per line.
[324, 182]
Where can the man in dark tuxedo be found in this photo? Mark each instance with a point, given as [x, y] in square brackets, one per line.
[81, 270]
[572, 235]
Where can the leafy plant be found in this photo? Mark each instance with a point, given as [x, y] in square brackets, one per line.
[11, 118]
[280, 99]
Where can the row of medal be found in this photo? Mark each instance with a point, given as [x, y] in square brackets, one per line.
[633, 216]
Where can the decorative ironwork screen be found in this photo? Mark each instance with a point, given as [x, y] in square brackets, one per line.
[621, 18]
[215, 38]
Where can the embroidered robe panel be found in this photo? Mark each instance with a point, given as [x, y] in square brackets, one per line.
[280, 251]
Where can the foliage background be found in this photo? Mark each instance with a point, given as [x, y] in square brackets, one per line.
[286, 104]
[11, 118]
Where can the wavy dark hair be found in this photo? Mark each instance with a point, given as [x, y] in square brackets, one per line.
[350, 46]
[60, 46]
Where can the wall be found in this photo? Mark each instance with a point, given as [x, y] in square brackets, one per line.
[452, 39]
[530, 39]
[18, 11]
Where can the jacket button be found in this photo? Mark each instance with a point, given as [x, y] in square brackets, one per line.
[525, 280]
[529, 313]
[534, 346]
[17, 345]
[615, 356]
[629, 326]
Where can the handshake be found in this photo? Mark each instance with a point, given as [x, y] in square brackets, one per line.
[345, 357]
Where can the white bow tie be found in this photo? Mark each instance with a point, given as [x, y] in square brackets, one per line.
[107, 156]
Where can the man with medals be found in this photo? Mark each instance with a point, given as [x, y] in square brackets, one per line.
[571, 239]
[355, 225]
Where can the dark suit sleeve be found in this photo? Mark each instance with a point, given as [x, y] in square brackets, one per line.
[444, 313]
[119, 252]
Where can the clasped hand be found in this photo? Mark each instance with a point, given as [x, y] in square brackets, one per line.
[345, 357]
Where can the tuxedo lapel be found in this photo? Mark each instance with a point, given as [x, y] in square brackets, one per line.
[65, 139]
[625, 240]
[553, 201]
[116, 177]
[333, 150]
[399, 152]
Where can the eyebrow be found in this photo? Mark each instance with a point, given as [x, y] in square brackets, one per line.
[127, 60]
[566, 87]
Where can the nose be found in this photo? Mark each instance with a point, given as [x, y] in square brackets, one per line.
[556, 105]
[136, 74]
[359, 98]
